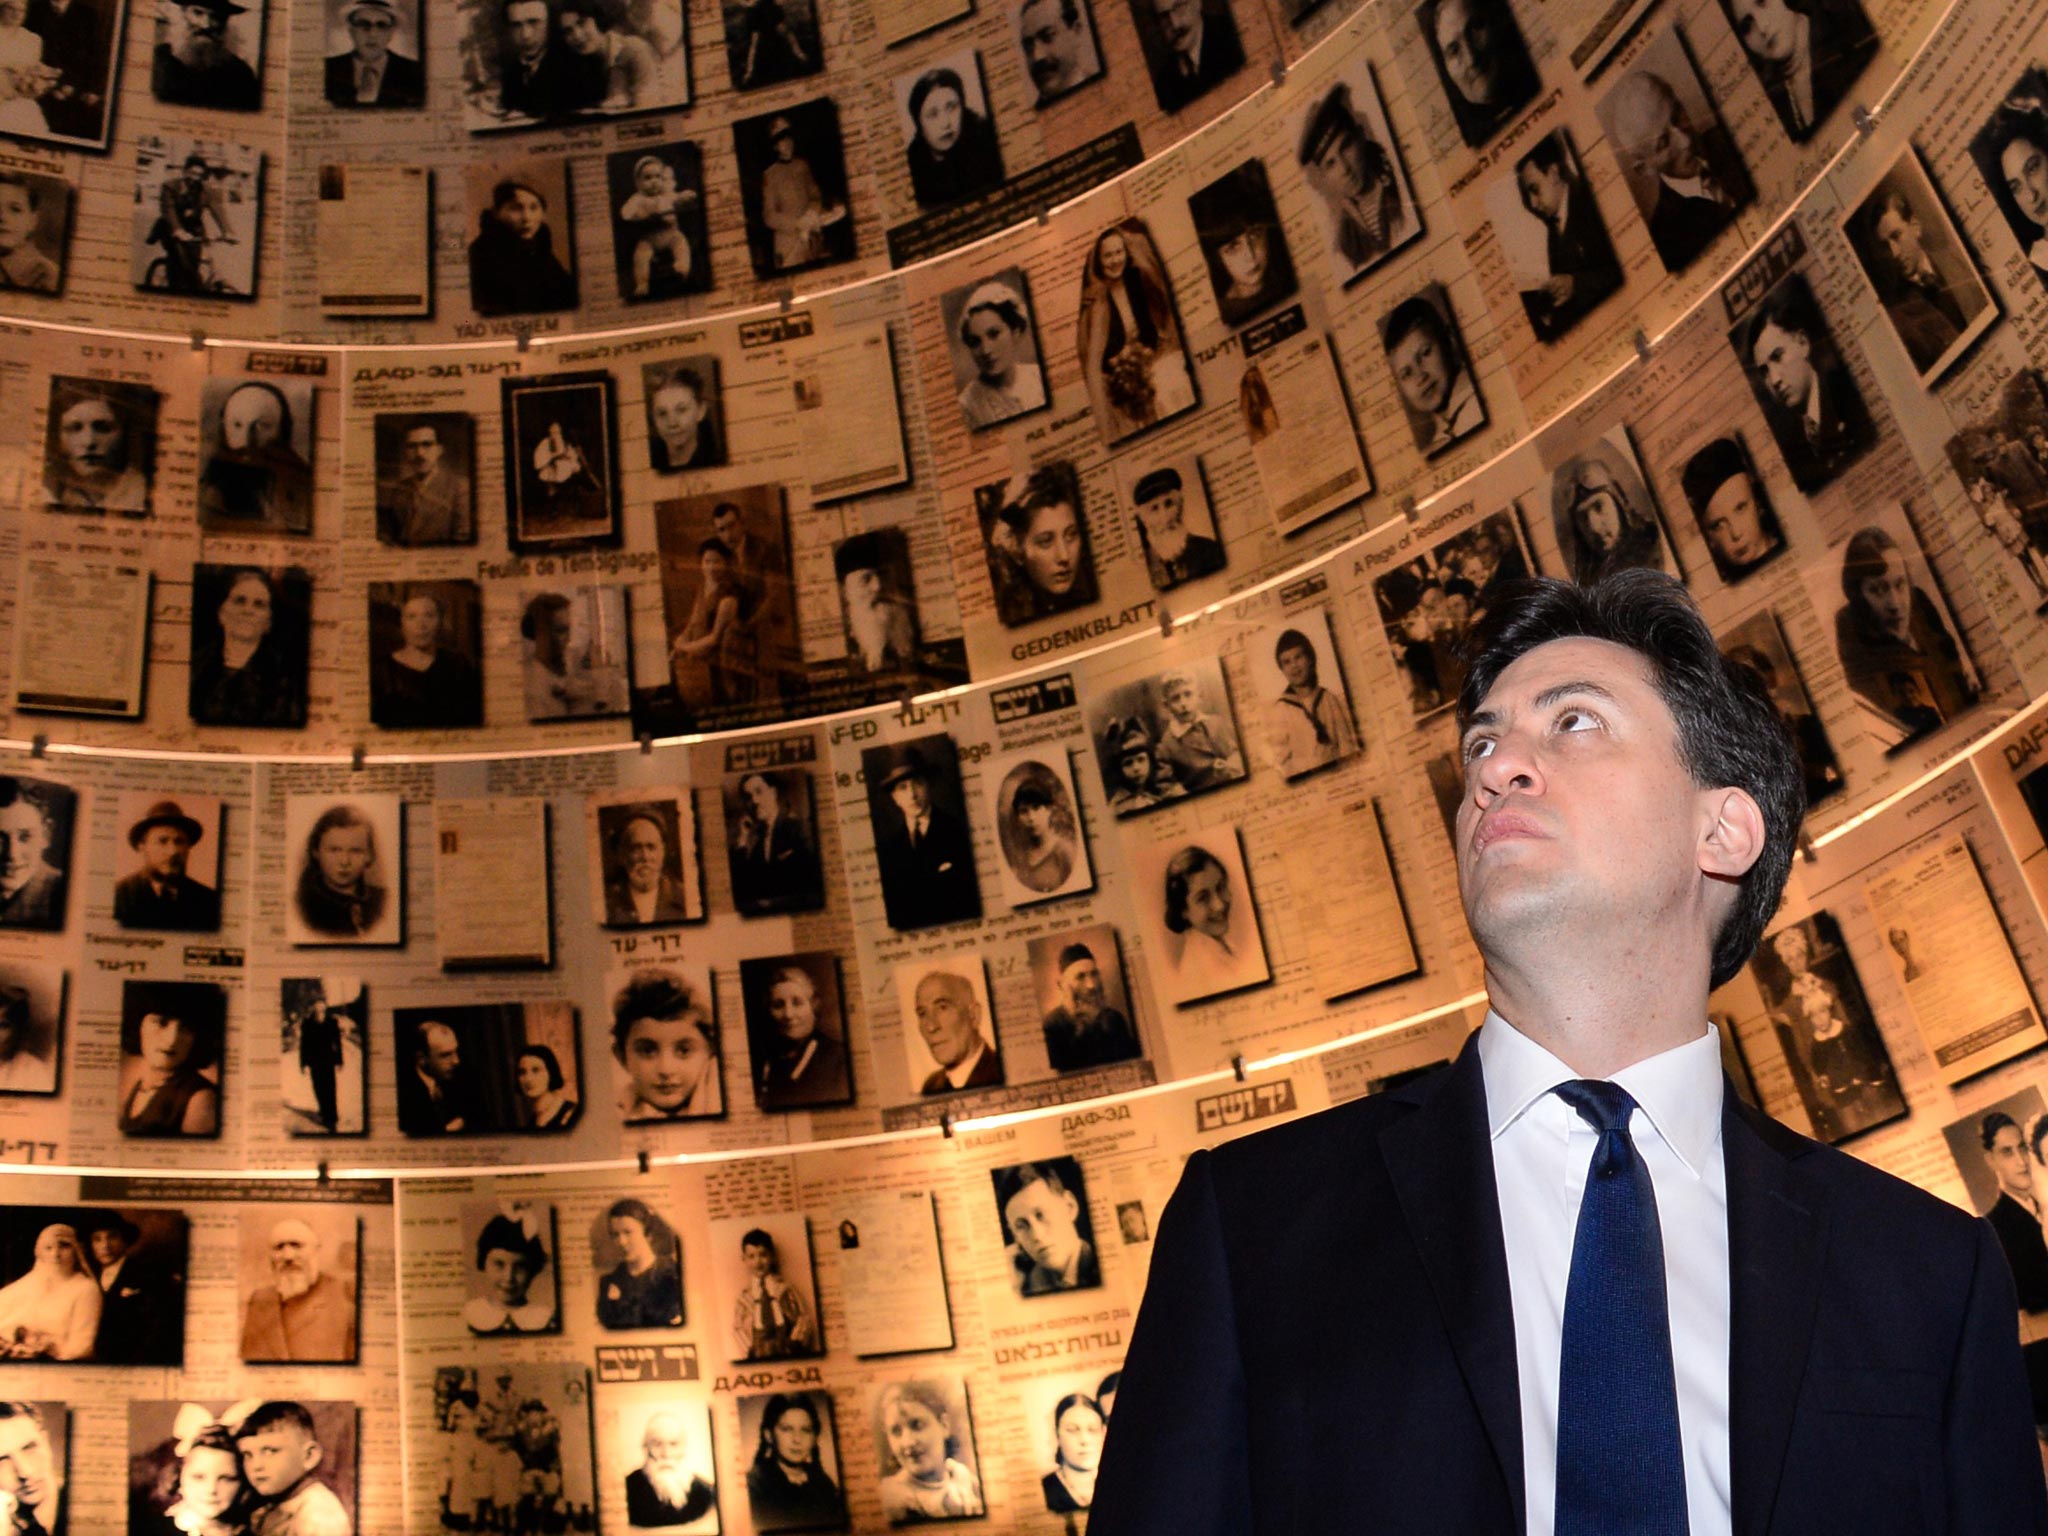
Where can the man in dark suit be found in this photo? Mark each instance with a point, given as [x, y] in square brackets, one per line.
[437, 1095]
[1192, 46]
[923, 851]
[75, 45]
[1809, 396]
[1807, 53]
[537, 75]
[370, 74]
[142, 1314]
[1572, 1282]
[1577, 252]
[773, 867]
[1700, 179]
[320, 1059]
[1928, 306]
[2016, 1214]
[948, 1020]
[161, 894]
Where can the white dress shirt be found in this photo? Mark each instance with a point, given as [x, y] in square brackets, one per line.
[1542, 1151]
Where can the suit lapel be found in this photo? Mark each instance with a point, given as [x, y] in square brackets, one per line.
[1441, 1162]
[1777, 1237]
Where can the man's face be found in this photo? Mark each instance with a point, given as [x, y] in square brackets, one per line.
[1244, 257]
[756, 1260]
[948, 1018]
[664, 1444]
[1165, 526]
[913, 796]
[23, 839]
[1899, 234]
[1180, 701]
[1178, 20]
[275, 1458]
[1339, 168]
[28, 1467]
[1784, 361]
[1768, 28]
[1663, 141]
[164, 851]
[1208, 902]
[1542, 189]
[294, 1257]
[1577, 813]
[666, 1059]
[92, 440]
[443, 1053]
[2024, 165]
[1888, 593]
[677, 411]
[1468, 37]
[343, 854]
[1043, 1224]
[419, 621]
[727, 526]
[862, 588]
[370, 31]
[422, 452]
[251, 421]
[761, 798]
[1298, 666]
[17, 218]
[109, 1247]
[1081, 983]
[526, 23]
[646, 849]
[1422, 370]
[2008, 1159]
[1734, 522]
[1053, 51]
[197, 32]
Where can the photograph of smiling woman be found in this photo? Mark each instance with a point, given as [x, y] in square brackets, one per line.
[996, 362]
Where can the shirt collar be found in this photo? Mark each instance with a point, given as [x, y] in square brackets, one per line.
[1679, 1089]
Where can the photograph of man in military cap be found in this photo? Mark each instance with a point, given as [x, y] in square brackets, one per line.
[162, 891]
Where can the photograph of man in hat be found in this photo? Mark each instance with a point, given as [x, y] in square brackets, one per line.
[876, 601]
[199, 58]
[142, 1291]
[160, 893]
[793, 187]
[373, 73]
[922, 849]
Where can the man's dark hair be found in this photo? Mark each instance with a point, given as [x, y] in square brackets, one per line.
[1070, 11]
[758, 1237]
[1412, 314]
[274, 1414]
[1728, 732]
[1074, 954]
[543, 607]
[1995, 1122]
[1790, 307]
[1548, 155]
[1013, 1181]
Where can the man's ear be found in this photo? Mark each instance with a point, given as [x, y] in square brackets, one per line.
[1731, 833]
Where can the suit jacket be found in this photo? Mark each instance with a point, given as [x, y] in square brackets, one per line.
[987, 1073]
[1844, 432]
[142, 1317]
[1928, 322]
[317, 1326]
[1581, 251]
[1327, 1341]
[1682, 226]
[184, 906]
[2019, 1234]
[933, 882]
[404, 83]
[421, 1114]
[1842, 44]
[1221, 56]
[671, 904]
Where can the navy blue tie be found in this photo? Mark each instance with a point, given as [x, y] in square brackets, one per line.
[1620, 1465]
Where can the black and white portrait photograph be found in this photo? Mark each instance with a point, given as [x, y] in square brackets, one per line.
[1758, 643]
[198, 212]
[766, 1288]
[323, 1055]
[1068, 1418]
[466, 1069]
[522, 260]
[791, 1453]
[660, 240]
[1553, 237]
[1165, 737]
[924, 1451]
[1351, 161]
[1833, 1050]
[1167, 499]
[345, 861]
[251, 634]
[645, 866]
[771, 842]
[1057, 41]
[1806, 55]
[1998, 1151]
[425, 641]
[92, 1283]
[210, 1465]
[99, 446]
[949, 132]
[728, 603]
[1243, 244]
[638, 1260]
[1481, 62]
[1134, 362]
[1802, 381]
[949, 1030]
[1432, 370]
[35, 1447]
[36, 818]
[1083, 1003]
[1927, 285]
[2001, 458]
[297, 1280]
[562, 436]
[1732, 509]
[529, 61]
[1897, 641]
[1602, 513]
[256, 455]
[63, 60]
[770, 41]
[373, 54]
[877, 600]
[577, 658]
[1201, 925]
[685, 413]
[665, 1044]
[489, 1419]
[1047, 1235]
[1679, 163]
[209, 53]
[796, 1031]
[917, 810]
[169, 880]
[1302, 700]
[512, 1281]
[32, 1000]
[1034, 534]
[173, 1051]
[1037, 818]
[673, 1484]
[992, 342]
[35, 232]
[792, 168]
[2011, 154]
[1190, 46]
[426, 491]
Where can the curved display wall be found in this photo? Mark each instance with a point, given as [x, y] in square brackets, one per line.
[601, 910]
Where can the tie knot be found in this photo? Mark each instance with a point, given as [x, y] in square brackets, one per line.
[1604, 1106]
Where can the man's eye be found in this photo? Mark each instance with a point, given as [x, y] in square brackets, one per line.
[1477, 748]
[1577, 720]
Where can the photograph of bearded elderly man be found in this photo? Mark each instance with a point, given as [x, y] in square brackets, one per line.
[298, 1281]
